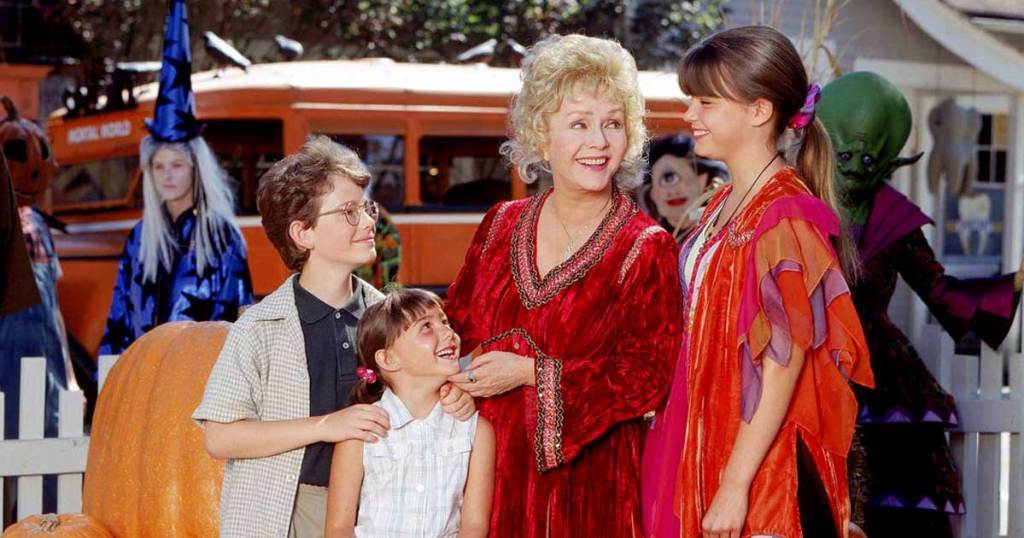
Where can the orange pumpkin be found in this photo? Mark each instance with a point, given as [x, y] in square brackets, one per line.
[28, 154]
[69, 525]
[148, 472]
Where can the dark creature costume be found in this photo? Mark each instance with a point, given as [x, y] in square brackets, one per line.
[903, 478]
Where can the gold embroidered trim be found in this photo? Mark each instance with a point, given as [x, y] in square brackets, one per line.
[634, 251]
[550, 414]
[494, 226]
[535, 291]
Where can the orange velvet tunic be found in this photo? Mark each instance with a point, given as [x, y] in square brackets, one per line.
[773, 282]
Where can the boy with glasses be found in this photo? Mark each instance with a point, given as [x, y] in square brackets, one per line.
[277, 398]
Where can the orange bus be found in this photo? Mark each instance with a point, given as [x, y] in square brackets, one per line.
[429, 134]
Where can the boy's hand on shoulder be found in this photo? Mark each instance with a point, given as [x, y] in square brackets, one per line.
[456, 402]
[361, 421]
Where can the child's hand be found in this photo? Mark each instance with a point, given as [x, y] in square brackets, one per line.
[361, 421]
[727, 513]
[457, 402]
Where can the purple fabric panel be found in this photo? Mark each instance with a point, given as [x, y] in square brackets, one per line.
[999, 299]
[892, 217]
[750, 384]
[818, 309]
[956, 303]
[899, 415]
[780, 346]
[839, 364]
[783, 266]
[832, 285]
[684, 253]
[893, 499]
[835, 285]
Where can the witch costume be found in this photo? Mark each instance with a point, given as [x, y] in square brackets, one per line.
[195, 268]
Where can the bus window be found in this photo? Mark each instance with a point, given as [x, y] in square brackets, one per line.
[463, 172]
[245, 150]
[384, 155]
[97, 183]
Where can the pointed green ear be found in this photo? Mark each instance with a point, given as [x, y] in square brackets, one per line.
[898, 163]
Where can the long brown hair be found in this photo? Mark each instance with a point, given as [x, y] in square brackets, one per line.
[380, 326]
[757, 62]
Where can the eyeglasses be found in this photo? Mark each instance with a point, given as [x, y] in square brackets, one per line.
[353, 211]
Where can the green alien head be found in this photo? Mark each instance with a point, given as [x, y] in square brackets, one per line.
[868, 120]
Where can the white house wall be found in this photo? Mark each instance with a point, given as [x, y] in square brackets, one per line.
[864, 28]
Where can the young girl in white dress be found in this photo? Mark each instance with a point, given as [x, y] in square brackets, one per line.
[432, 475]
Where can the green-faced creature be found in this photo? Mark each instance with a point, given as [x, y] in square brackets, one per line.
[869, 121]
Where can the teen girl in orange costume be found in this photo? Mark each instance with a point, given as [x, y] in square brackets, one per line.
[754, 438]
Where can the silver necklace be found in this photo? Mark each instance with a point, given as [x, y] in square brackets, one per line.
[718, 215]
[570, 247]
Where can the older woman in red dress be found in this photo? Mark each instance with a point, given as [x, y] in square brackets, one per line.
[573, 297]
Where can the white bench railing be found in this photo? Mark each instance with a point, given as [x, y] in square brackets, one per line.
[31, 456]
[987, 446]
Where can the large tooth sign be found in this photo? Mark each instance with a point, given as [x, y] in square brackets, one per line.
[955, 130]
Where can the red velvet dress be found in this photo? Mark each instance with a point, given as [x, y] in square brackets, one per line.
[604, 329]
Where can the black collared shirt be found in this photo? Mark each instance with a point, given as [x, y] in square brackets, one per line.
[330, 338]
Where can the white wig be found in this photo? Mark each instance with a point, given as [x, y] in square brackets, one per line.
[213, 199]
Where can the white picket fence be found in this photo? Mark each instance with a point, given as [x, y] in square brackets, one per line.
[988, 446]
[29, 457]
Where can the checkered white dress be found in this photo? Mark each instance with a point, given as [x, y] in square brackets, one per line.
[414, 478]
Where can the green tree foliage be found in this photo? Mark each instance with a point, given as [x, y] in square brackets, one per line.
[656, 31]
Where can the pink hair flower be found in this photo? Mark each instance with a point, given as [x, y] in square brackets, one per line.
[366, 374]
[805, 115]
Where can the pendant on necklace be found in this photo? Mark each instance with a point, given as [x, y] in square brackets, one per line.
[568, 252]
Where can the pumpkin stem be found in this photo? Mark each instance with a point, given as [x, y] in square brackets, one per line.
[12, 113]
[49, 522]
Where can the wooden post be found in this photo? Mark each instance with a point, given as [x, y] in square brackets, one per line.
[964, 444]
[70, 419]
[106, 363]
[1016, 464]
[1013, 204]
[987, 479]
[31, 413]
[3, 480]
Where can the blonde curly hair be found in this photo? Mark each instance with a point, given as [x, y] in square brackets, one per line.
[554, 68]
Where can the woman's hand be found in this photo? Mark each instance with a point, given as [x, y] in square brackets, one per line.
[728, 511]
[456, 402]
[495, 372]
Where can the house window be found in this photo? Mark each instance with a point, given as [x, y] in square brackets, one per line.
[993, 141]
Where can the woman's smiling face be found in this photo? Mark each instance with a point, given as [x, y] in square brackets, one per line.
[586, 141]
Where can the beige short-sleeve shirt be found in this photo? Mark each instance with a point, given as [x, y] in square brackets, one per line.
[262, 374]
